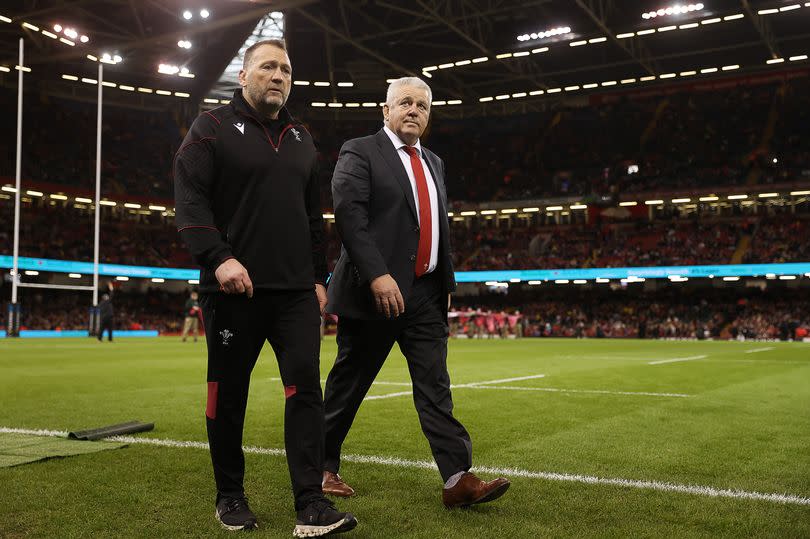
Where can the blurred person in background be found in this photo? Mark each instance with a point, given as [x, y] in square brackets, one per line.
[191, 320]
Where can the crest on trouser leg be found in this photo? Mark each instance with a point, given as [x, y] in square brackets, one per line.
[226, 335]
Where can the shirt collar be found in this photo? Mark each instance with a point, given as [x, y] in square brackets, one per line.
[397, 142]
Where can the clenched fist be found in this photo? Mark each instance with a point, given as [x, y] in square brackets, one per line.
[233, 278]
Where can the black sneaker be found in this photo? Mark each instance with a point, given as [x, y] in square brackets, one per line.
[234, 514]
[321, 518]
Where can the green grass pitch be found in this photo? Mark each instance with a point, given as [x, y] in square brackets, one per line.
[730, 416]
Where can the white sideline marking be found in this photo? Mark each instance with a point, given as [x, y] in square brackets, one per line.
[408, 384]
[595, 391]
[548, 389]
[755, 350]
[480, 385]
[674, 359]
[472, 385]
[387, 395]
[503, 380]
[761, 361]
[374, 383]
[662, 486]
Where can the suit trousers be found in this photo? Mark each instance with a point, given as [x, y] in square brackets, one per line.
[236, 328]
[364, 345]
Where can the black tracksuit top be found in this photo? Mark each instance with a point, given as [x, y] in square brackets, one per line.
[242, 193]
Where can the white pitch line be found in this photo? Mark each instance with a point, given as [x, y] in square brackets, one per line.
[480, 385]
[675, 359]
[472, 385]
[388, 396]
[594, 391]
[755, 350]
[35, 432]
[547, 389]
[760, 361]
[374, 383]
[661, 486]
[503, 380]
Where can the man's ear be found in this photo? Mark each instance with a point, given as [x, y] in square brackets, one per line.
[242, 80]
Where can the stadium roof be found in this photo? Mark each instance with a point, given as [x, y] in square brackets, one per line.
[530, 46]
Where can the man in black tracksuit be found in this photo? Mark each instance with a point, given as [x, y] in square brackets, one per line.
[248, 207]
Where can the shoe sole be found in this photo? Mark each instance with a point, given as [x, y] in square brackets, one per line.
[494, 495]
[246, 527]
[338, 494]
[490, 496]
[302, 530]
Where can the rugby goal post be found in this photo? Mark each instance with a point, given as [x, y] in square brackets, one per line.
[14, 308]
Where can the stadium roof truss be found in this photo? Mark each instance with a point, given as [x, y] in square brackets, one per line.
[468, 50]
[271, 26]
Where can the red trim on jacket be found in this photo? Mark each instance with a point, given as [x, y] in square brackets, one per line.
[212, 116]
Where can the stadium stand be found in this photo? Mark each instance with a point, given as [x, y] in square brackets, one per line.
[743, 136]
[673, 312]
[679, 139]
[137, 237]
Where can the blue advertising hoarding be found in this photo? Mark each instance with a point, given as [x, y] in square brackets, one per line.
[588, 274]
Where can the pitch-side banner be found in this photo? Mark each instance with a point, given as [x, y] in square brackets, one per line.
[588, 274]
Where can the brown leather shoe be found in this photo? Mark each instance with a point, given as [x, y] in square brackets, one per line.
[333, 485]
[469, 490]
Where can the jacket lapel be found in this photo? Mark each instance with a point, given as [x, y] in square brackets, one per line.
[389, 153]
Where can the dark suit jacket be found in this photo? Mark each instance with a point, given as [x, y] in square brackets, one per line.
[377, 221]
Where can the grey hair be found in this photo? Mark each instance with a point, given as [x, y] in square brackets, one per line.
[407, 81]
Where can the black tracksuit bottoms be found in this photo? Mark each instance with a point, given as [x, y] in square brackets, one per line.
[236, 328]
[105, 325]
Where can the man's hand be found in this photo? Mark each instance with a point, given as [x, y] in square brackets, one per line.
[233, 278]
[449, 296]
[320, 291]
[387, 296]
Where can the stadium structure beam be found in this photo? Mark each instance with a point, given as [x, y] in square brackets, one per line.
[763, 28]
[597, 10]
[160, 6]
[348, 39]
[171, 37]
[344, 18]
[481, 15]
[459, 85]
[137, 17]
[105, 21]
[45, 11]
[330, 64]
[510, 66]
[622, 63]
[359, 46]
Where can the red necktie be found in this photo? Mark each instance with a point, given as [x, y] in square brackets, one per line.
[425, 223]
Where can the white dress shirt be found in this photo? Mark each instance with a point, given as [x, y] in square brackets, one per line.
[432, 193]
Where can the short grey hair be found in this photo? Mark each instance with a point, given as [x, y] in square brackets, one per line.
[407, 81]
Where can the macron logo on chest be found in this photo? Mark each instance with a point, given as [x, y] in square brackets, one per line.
[240, 126]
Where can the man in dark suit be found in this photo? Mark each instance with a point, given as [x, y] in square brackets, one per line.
[391, 284]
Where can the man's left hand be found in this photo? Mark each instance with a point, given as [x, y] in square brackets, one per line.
[320, 291]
